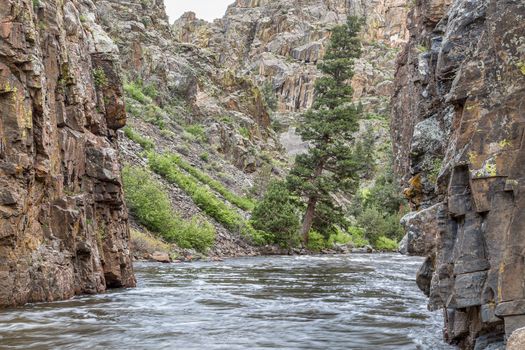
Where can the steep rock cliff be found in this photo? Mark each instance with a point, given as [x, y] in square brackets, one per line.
[280, 42]
[457, 127]
[63, 224]
[276, 44]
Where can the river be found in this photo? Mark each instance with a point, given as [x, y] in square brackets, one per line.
[306, 302]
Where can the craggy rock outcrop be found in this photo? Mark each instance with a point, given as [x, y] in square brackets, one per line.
[458, 130]
[63, 224]
[280, 42]
[186, 75]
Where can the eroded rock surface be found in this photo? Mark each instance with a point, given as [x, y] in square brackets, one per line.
[63, 223]
[280, 42]
[458, 126]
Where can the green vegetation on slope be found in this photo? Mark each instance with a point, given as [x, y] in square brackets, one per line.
[241, 202]
[166, 166]
[150, 205]
[134, 136]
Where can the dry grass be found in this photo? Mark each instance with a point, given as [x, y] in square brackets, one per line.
[144, 243]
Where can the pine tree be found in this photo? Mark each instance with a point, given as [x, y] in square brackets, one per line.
[277, 215]
[329, 127]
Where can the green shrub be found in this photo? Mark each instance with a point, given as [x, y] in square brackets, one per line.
[277, 215]
[134, 90]
[151, 206]
[244, 132]
[316, 241]
[100, 77]
[197, 131]
[386, 244]
[166, 167]
[186, 237]
[269, 97]
[376, 224]
[154, 115]
[204, 157]
[150, 90]
[241, 202]
[340, 237]
[358, 237]
[134, 136]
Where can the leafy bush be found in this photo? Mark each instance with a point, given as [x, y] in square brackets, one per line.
[244, 132]
[134, 136]
[316, 241]
[277, 215]
[340, 237]
[204, 157]
[100, 77]
[270, 99]
[186, 237]
[150, 205]
[358, 237]
[150, 90]
[134, 90]
[197, 131]
[241, 202]
[165, 166]
[386, 244]
[376, 224]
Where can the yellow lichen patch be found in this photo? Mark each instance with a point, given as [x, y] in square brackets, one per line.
[501, 271]
[491, 169]
[488, 169]
[521, 67]
[472, 157]
[504, 143]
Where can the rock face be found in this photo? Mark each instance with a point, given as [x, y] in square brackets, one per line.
[63, 224]
[457, 127]
[189, 76]
[279, 42]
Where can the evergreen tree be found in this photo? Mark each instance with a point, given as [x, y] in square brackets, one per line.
[329, 127]
[277, 215]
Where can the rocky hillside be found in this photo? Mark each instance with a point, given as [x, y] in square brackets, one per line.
[457, 126]
[63, 223]
[188, 96]
[278, 43]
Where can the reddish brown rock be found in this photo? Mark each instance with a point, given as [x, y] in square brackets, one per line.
[458, 122]
[63, 224]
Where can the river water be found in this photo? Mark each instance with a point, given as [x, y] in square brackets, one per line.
[321, 302]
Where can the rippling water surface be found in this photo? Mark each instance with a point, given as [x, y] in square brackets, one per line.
[325, 302]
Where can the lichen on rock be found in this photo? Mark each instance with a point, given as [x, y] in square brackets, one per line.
[471, 89]
[63, 223]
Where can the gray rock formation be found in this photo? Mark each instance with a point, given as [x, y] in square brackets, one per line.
[279, 42]
[457, 127]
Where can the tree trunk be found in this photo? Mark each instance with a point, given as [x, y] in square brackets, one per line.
[310, 209]
[308, 220]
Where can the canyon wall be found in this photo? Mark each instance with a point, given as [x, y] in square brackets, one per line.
[63, 224]
[280, 42]
[458, 121]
